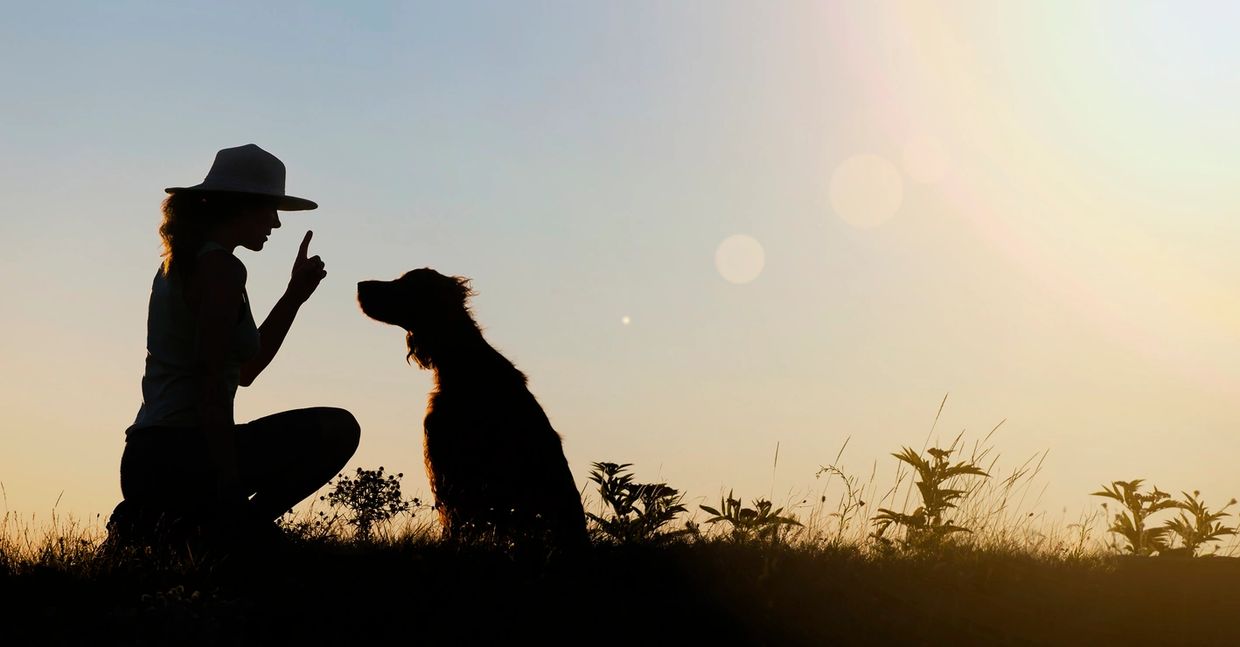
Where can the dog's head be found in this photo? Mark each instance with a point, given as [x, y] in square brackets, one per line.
[430, 307]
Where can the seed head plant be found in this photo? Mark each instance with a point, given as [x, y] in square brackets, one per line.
[369, 498]
[851, 502]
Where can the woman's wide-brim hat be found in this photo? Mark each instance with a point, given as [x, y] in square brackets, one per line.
[249, 169]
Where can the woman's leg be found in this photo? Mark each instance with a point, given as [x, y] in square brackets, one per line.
[286, 457]
[168, 483]
[167, 468]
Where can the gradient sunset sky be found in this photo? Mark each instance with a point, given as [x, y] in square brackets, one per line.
[701, 228]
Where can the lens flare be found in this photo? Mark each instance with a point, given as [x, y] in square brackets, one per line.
[739, 259]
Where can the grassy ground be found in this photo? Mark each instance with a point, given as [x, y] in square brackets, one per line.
[811, 573]
[337, 591]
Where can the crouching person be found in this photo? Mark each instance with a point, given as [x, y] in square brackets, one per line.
[189, 471]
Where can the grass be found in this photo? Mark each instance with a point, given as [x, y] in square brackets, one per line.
[407, 584]
[861, 563]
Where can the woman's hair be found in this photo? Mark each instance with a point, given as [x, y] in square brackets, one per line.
[188, 217]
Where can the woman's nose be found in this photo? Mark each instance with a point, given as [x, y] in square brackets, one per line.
[275, 220]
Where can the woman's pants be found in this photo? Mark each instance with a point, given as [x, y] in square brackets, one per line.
[282, 459]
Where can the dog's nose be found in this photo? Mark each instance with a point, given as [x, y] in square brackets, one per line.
[365, 288]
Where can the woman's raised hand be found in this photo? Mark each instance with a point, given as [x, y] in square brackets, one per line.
[307, 272]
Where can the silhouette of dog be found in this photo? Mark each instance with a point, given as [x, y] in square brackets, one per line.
[494, 462]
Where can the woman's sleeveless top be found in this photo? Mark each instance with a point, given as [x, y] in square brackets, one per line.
[172, 382]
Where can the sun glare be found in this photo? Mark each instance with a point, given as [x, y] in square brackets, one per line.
[925, 161]
[866, 190]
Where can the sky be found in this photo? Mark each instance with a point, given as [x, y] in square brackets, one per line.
[704, 230]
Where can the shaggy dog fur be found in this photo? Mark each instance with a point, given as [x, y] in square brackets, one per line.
[494, 462]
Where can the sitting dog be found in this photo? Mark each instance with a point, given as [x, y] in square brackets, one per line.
[494, 462]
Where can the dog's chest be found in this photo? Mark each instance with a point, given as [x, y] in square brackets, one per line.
[468, 418]
[453, 416]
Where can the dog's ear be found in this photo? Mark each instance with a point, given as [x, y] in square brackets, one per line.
[449, 295]
[416, 353]
[464, 288]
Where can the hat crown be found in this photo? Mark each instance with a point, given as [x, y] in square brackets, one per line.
[248, 169]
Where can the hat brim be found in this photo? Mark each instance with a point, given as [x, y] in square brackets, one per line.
[286, 202]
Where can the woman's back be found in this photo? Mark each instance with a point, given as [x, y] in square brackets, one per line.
[171, 383]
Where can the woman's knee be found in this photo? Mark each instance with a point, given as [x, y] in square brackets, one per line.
[341, 432]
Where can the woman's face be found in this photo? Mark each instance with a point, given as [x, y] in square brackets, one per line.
[254, 224]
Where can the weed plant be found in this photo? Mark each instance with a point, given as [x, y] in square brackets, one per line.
[760, 522]
[634, 512]
[927, 526]
[1199, 526]
[1184, 535]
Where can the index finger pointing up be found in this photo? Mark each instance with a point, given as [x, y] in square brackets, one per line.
[305, 246]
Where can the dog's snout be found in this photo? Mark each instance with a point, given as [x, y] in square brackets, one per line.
[365, 289]
[376, 302]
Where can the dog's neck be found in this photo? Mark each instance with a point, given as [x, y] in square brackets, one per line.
[463, 357]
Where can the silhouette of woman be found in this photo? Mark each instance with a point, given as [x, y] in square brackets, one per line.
[186, 461]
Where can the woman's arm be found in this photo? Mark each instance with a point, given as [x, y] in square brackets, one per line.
[307, 273]
[219, 282]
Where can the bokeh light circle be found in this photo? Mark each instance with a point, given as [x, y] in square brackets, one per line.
[740, 259]
[866, 190]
